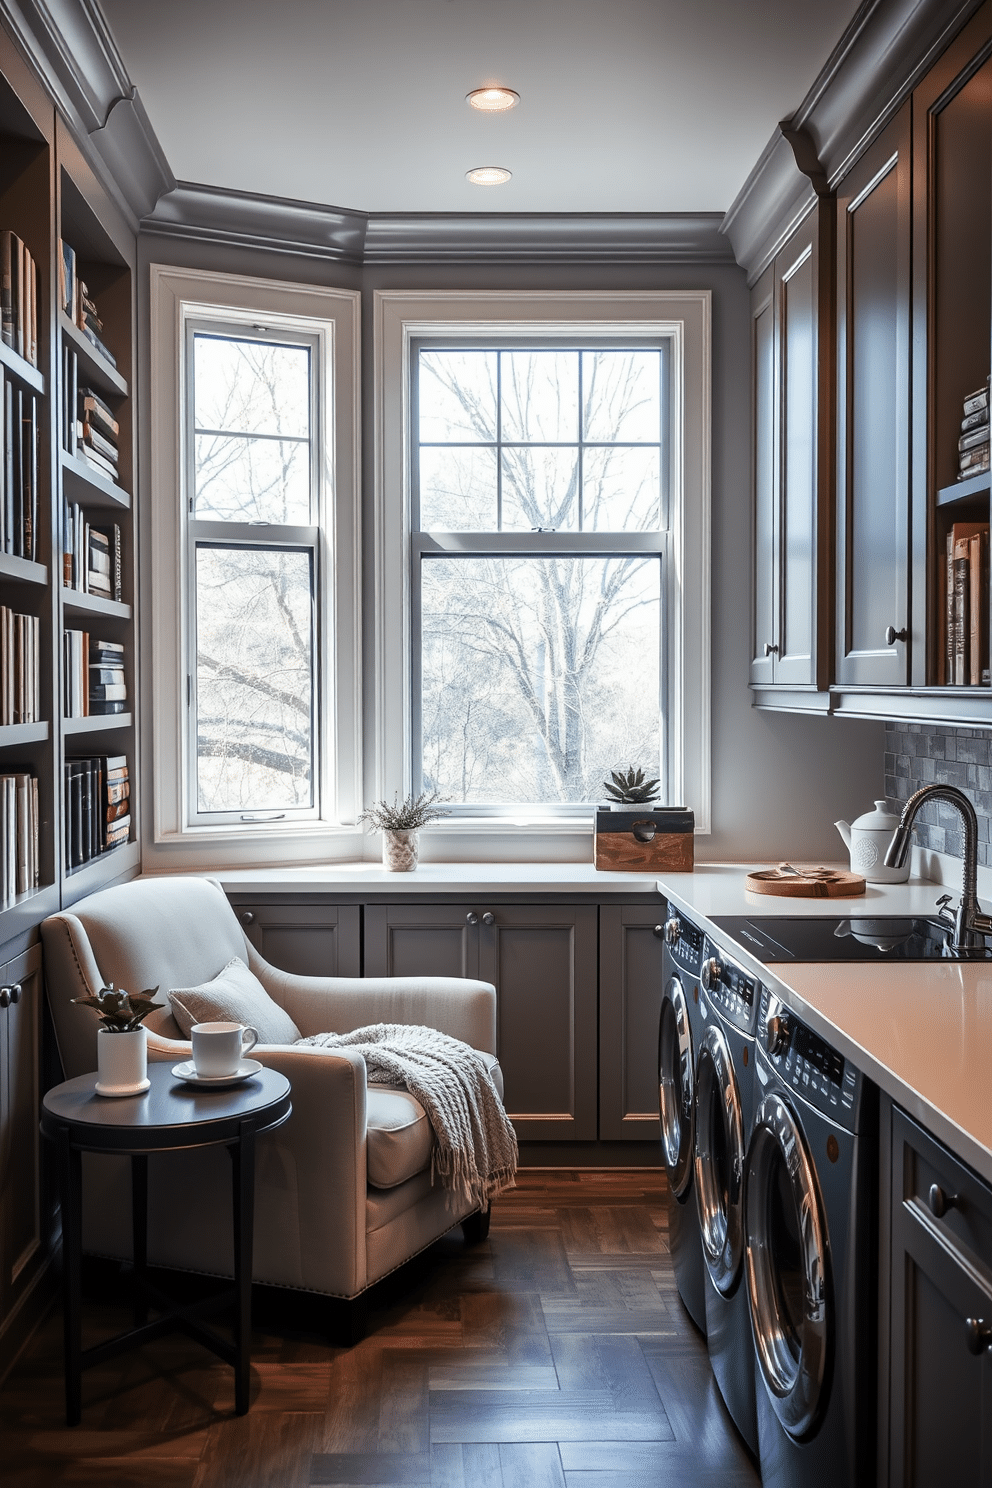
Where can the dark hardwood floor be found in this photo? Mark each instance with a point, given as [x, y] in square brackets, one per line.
[554, 1355]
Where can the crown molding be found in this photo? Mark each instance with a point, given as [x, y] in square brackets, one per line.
[215, 214]
[888, 46]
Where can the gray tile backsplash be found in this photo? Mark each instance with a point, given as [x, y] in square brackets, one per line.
[921, 754]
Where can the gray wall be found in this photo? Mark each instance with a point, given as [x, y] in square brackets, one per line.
[779, 782]
[922, 754]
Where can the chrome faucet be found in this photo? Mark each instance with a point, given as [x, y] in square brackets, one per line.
[970, 924]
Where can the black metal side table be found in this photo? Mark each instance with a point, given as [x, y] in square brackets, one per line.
[170, 1116]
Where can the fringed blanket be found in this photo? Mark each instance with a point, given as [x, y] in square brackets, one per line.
[475, 1148]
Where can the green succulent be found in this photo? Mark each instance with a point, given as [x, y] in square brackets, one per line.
[120, 1011]
[406, 815]
[630, 787]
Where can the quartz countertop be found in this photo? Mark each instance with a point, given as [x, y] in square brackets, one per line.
[921, 1030]
[439, 878]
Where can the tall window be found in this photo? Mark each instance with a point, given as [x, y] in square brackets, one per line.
[540, 512]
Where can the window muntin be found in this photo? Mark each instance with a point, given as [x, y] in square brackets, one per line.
[536, 673]
[253, 568]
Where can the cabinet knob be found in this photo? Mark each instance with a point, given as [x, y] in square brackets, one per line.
[4, 997]
[940, 1200]
[489, 918]
[978, 1335]
[15, 992]
[247, 918]
[771, 649]
[471, 918]
[892, 635]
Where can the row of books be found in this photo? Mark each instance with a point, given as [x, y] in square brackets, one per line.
[20, 667]
[97, 807]
[966, 625]
[18, 297]
[18, 835]
[973, 441]
[18, 470]
[93, 676]
[78, 303]
[92, 556]
[89, 430]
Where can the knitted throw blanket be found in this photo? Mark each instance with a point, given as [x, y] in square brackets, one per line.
[475, 1147]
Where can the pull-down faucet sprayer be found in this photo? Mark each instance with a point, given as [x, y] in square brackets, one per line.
[970, 924]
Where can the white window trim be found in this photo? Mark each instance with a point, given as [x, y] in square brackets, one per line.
[399, 317]
[335, 315]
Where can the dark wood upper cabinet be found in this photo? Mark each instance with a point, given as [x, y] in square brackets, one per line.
[874, 643]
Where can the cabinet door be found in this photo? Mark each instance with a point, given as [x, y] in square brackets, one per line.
[764, 475]
[630, 987]
[20, 1101]
[422, 940]
[873, 290]
[306, 939]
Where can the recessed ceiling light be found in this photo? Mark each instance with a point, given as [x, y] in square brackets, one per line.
[488, 175]
[493, 100]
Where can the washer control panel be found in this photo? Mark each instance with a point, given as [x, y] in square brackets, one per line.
[805, 1061]
[684, 941]
[729, 987]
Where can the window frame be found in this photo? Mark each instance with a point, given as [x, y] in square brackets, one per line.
[401, 319]
[329, 321]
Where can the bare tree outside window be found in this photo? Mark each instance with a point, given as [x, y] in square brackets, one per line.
[539, 671]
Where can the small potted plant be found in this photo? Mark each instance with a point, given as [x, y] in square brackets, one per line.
[122, 1039]
[629, 788]
[400, 823]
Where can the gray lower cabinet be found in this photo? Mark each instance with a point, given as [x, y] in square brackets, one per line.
[940, 1316]
[306, 939]
[630, 984]
[20, 1102]
[542, 960]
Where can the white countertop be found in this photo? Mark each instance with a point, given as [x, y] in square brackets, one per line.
[921, 1031]
[439, 878]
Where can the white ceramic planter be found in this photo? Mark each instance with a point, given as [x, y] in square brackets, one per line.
[122, 1062]
[400, 851]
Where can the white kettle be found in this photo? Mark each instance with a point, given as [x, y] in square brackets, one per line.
[868, 840]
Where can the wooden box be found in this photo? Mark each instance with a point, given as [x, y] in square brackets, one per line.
[645, 840]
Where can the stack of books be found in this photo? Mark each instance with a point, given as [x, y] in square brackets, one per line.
[78, 304]
[107, 687]
[18, 835]
[92, 559]
[18, 297]
[973, 443]
[966, 625]
[18, 470]
[20, 667]
[97, 807]
[97, 432]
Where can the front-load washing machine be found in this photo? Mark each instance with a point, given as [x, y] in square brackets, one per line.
[809, 1220]
[679, 1030]
[724, 1108]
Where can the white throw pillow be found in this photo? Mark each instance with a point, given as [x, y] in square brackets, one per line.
[234, 996]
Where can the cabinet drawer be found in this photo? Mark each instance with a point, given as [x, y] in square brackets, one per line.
[940, 1192]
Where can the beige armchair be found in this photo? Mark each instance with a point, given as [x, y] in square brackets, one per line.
[343, 1189]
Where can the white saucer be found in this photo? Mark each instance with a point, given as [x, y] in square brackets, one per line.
[187, 1071]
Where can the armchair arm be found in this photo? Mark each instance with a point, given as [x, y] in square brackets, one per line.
[458, 1006]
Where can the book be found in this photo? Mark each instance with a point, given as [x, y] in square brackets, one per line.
[67, 279]
[978, 594]
[93, 439]
[95, 340]
[974, 420]
[92, 407]
[99, 462]
[976, 400]
[959, 612]
[974, 438]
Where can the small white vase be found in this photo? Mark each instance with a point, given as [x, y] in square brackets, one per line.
[400, 851]
[122, 1062]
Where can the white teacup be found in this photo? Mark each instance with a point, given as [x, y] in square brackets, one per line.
[218, 1048]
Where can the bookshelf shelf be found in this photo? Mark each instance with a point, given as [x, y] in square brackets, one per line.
[13, 735]
[112, 864]
[27, 910]
[22, 369]
[88, 487]
[95, 367]
[965, 490]
[74, 601]
[101, 725]
[22, 570]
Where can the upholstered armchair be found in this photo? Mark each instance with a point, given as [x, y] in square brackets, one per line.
[343, 1189]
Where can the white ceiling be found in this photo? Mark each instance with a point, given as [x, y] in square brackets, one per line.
[626, 105]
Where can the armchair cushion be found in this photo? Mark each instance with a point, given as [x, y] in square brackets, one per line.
[234, 995]
[399, 1136]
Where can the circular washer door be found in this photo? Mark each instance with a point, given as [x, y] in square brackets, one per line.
[676, 1087]
[787, 1267]
[719, 1160]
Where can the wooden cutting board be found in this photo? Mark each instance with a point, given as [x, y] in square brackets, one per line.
[835, 884]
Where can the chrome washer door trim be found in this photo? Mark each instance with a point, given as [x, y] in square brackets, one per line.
[793, 1369]
[676, 1087]
[721, 1209]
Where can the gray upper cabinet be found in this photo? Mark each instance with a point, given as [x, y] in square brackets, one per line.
[791, 367]
[873, 387]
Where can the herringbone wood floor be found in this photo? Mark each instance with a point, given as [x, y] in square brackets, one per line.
[555, 1355]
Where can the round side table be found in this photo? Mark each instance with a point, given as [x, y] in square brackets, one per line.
[170, 1116]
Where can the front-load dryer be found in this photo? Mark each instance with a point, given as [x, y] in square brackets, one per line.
[724, 1108]
[679, 1031]
[809, 1210]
